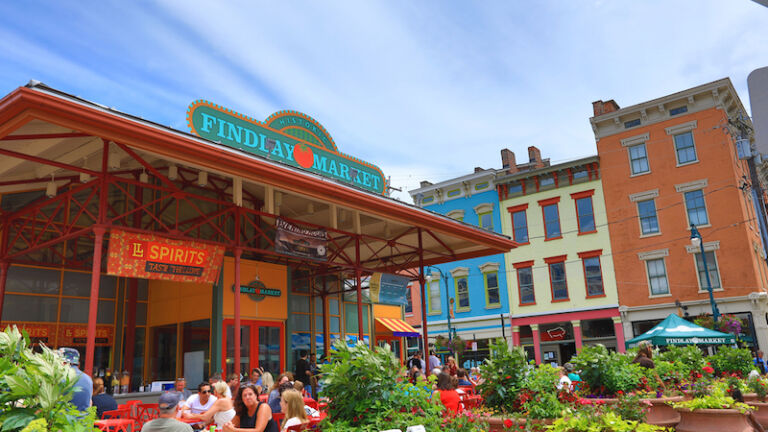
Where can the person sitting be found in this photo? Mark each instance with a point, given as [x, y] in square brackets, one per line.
[572, 375]
[292, 404]
[166, 419]
[461, 374]
[446, 394]
[274, 404]
[216, 378]
[234, 383]
[251, 415]
[180, 386]
[200, 402]
[450, 362]
[564, 382]
[274, 393]
[101, 400]
[267, 382]
[222, 410]
[760, 363]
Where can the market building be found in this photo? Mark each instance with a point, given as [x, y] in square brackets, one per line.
[168, 254]
[562, 286]
[670, 164]
[466, 300]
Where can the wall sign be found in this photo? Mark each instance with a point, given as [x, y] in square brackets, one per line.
[294, 240]
[388, 289]
[149, 256]
[78, 335]
[257, 291]
[287, 137]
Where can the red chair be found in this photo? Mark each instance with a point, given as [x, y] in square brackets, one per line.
[146, 412]
[120, 413]
[298, 427]
[470, 390]
[263, 398]
[278, 417]
[311, 403]
[115, 425]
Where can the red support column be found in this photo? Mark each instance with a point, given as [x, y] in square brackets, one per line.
[90, 341]
[326, 331]
[3, 277]
[237, 367]
[536, 343]
[618, 328]
[516, 336]
[423, 306]
[359, 290]
[130, 323]
[577, 334]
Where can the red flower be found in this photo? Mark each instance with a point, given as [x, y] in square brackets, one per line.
[708, 369]
[508, 423]
[508, 377]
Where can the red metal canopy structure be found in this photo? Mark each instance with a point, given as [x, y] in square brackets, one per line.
[102, 170]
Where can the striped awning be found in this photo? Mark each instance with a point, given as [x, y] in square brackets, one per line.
[398, 327]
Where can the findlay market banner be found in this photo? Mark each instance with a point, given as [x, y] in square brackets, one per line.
[289, 137]
[294, 240]
[148, 256]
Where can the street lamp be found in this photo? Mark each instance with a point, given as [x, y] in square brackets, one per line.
[447, 295]
[696, 240]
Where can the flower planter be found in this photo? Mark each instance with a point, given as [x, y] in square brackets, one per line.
[496, 424]
[661, 413]
[761, 413]
[712, 420]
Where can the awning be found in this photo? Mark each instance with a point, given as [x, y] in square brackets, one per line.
[398, 327]
[677, 331]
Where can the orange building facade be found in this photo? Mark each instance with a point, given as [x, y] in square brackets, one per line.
[667, 164]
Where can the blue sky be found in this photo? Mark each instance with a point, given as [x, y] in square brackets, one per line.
[424, 89]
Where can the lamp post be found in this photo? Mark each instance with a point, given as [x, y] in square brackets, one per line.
[696, 240]
[447, 296]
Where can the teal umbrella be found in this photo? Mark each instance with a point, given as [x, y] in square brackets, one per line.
[677, 331]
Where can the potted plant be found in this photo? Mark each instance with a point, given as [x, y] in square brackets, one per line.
[503, 374]
[714, 412]
[729, 360]
[606, 372]
[609, 421]
[758, 388]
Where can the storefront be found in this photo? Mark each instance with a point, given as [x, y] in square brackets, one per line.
[267, 230]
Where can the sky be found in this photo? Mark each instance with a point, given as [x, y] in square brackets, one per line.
[426, 90]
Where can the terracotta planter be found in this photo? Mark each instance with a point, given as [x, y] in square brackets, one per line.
[712, 420]
[496, 424]
[661, 413]
[761, 413]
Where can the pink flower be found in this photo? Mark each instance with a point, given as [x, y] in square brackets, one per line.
[508, 423]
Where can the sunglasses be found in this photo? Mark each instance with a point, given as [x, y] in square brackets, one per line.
[205, 391]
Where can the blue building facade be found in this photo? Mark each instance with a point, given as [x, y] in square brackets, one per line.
[475, 290]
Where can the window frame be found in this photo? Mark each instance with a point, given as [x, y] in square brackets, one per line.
[551, 261]
[631, 160]
[648, 276]
[512, 212]
[702, 288]
[480, 220]
[655, 216]
[589, 255]
[525, 265]
[688, 211]
[489, 305]
[458, 307]
[547, 203]
[437, 279]
[409, 300]
[677, 150]
[582, 196]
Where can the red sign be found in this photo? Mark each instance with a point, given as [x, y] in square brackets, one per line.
[37, 332]
[78, 334]
[557, 333]
[148, 256]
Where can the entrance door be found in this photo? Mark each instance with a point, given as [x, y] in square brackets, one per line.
[261, 345]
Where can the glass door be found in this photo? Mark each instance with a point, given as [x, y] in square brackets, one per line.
[261, 345]
[269, 349]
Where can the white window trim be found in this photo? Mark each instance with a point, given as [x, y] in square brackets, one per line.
[439, 310]
[708, 247]
[484, 208]
[634, 140]
[666, 275]
[644, 196]
[460, 272]
[706, 208]
[654, 254]
[696, 270]
[489, 267]
[629, 158]
[692, 186]
[640, 222]
[456, 214]
[674, 147]
[681, 128]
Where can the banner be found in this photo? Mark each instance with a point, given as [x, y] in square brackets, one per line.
[78, 335]
[305, 243]
[38, 333]
[148, 256]
[389, 289]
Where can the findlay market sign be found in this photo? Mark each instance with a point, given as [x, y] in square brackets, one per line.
[288, 137]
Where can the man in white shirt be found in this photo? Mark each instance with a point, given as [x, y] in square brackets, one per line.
[434, 362]
[565, 382]
[200, 402]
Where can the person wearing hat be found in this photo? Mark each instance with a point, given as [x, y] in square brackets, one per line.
[572, 375]
[166, 419]
[83, 389]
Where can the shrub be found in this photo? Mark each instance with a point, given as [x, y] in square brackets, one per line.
[688, 356]
[607, 372]
[504, 373]
[540, 398]
[608, 421]
[729, 360]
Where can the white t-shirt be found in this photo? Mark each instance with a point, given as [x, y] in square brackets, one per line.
[195, 407]
[565, 382]
[293, 421]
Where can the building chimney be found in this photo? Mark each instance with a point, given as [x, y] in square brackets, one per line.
[534, 157]
[425, 183]
[599, 107]
[478, 169]
[508, 161]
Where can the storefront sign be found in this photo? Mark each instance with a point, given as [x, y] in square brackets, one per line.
[555, 334]
[148, 256]
[389, 289]
[293, 240]
[78, 335]
[38, 333]
[257, 291]
[288, 137]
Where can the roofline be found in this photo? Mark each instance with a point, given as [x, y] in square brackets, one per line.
[491, 172]
[26, 103]
[544, 170]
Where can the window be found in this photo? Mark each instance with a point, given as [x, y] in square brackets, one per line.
[714, 274]
[631, 123]
[697, 211]
[657, 276]
[428, 200]
[593, 273]
[409, 299]
[580, 174]
[649, 223]
[492, 289]
[462, 293]
[548, 181]
[685, 150]
[486, 221]
[516, 189]
[525, 282]
[584, 211]
[557, 277]
[551, 218]
[454, 193]
[519, 223]
[434, 295]
[678, 110]
[638, 159]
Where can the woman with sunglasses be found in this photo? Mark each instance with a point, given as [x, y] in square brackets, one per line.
[251, 415]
